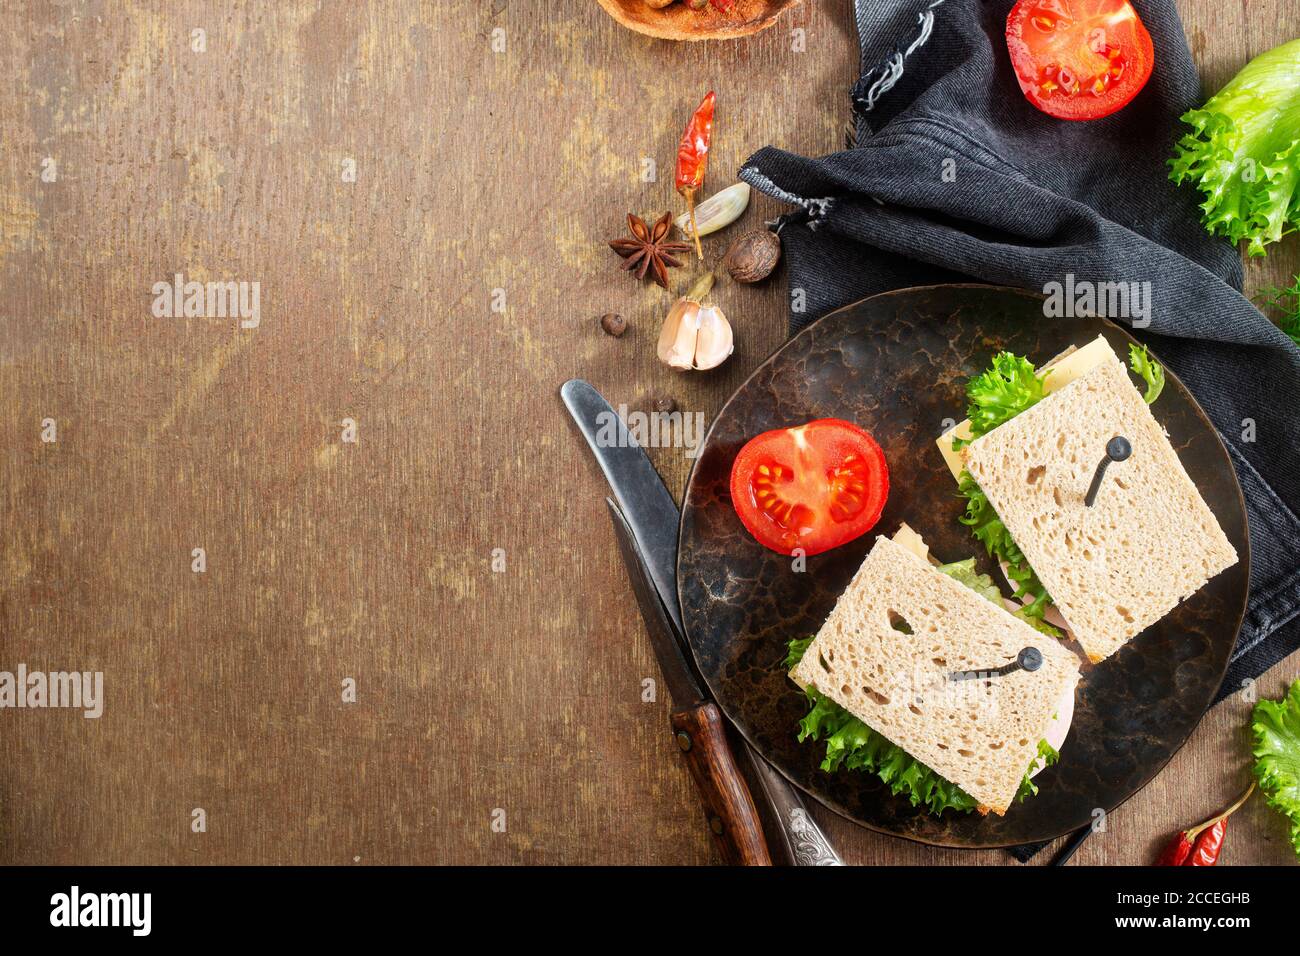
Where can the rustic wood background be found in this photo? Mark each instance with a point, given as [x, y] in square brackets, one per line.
[478, 690]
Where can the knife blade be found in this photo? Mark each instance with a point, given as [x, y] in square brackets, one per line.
[642, 497]
[682, 685]
[645, 504]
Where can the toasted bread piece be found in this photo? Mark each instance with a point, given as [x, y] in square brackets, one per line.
[980, 734]
[1148, 543]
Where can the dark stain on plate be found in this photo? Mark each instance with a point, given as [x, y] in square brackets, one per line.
[897, 365]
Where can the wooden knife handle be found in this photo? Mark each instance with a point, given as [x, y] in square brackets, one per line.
[729, 811]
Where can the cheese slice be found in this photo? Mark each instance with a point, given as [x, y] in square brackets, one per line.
[1065, 368]
[909, 539]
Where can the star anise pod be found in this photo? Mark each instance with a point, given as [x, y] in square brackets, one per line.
[646, 251]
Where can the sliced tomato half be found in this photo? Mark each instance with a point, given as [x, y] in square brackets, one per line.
[1079, 59]
[813, 487]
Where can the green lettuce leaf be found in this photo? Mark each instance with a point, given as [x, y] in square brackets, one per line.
[982, 584]
[1047, 755]
[996, 396]
[1000, 394]
[795, 652]
[993, 534]
[1032, 614]
[1243, 151]
[1289, 320]
[1277, 756]
[1141, 362]
[963, 572]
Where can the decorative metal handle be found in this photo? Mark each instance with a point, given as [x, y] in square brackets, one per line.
[805, 843]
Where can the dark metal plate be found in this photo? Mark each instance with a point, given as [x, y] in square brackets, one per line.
[897, 365]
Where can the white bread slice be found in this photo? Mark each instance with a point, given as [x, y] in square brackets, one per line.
[1149, 541]
[1065, 368]
[980, 734]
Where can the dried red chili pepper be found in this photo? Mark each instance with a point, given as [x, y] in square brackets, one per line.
[1205, 852]
[1201, 845]
[1176, 852]
[723, 5]
[693, 158]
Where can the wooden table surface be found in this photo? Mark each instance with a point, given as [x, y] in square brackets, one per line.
[455, 560]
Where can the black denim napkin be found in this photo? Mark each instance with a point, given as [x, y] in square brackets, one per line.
[955, 176]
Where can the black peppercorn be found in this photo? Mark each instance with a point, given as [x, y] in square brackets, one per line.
[613, 324]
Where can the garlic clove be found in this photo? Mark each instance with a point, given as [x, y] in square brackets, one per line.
[719, 210]
[678, 335]
[713, 342]
[695, 336]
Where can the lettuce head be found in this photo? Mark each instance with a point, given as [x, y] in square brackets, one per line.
[1243, 151]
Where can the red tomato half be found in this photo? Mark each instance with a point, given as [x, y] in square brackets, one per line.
[1079, 59]
[813, 487]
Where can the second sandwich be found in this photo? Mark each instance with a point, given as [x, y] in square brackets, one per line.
[929, 683]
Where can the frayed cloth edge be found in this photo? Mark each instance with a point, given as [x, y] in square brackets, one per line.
[815, 209]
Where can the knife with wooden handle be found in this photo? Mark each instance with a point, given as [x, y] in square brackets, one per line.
[648, 511]
[729, 810]
[697, 724]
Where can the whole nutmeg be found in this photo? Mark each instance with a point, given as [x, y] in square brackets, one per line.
[666, 404]
[753, 256]
[613, 324]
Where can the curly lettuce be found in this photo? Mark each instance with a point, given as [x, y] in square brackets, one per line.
[963, 572]
[1276, 725]
[993, 534]
[1141, 362]
[1007, 388]
[853, 745]
[1243, 152]
[1047, 755]
[796, 649]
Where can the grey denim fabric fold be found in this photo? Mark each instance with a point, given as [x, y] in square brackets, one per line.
[1029, 199]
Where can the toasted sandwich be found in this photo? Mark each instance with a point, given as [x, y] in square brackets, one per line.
[916, 677]
[1026, 460]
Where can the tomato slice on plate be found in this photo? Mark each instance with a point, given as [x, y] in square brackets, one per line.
[813, 487]
[1079, 59]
